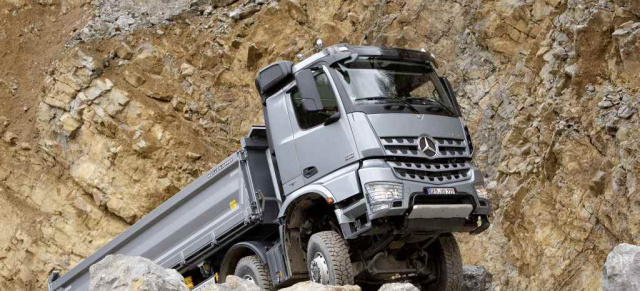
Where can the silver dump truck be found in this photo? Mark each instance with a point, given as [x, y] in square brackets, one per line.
[360, 175]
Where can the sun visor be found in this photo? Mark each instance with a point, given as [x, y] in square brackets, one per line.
[271, 77]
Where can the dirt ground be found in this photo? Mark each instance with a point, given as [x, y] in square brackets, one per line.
[31, 36]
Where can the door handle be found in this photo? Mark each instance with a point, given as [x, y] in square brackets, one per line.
[309, 172]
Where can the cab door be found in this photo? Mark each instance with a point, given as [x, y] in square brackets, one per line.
[322, 146]
[282, 138]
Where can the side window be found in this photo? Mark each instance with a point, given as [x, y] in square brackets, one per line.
[308, 120]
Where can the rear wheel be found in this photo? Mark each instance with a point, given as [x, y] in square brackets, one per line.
[328, 259]
[253, 270]
[446, 262]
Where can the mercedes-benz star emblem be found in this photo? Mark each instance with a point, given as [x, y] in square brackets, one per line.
[427, 146]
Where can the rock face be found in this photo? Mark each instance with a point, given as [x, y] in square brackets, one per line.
[121, 273]
[140, 104]
[622, 269]
[115, 17]
[476, 278]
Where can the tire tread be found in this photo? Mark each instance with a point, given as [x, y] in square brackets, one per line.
[453, 262]
[263, 270]
[339, 251]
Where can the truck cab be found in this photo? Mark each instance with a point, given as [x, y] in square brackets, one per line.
[369, 143]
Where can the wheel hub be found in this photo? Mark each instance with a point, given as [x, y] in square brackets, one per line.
[249, 278]
[319, 269]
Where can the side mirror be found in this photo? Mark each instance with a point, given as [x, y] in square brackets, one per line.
[310, 97]
[447, 86]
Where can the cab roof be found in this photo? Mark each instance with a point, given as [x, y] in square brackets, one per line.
[340, 51]
[271, 78]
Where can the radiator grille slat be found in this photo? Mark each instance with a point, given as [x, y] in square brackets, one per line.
[433, 173]
[430, 167]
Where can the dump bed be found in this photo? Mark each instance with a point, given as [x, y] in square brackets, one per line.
[234, 196]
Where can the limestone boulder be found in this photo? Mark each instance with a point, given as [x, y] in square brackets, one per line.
[231, 283]
[476, 278]
[319, 287]
[622, 269]
[122, 273]
[398, 287]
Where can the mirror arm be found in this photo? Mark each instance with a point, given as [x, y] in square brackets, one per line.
[351, 59]
[332, 119]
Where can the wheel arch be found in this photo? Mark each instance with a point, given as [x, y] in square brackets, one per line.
[306, 204]
[239, 251]
[302, 193]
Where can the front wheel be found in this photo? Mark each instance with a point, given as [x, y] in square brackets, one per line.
[328, 259]
[253, 270]
[446, 261]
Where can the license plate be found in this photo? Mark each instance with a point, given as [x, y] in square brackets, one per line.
[440, 191]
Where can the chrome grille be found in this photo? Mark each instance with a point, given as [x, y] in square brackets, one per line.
[401, 146]
[443, 172]
[450, 164]
[449, 147]
[408, 147]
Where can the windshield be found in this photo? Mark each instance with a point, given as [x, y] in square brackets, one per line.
[412, 85]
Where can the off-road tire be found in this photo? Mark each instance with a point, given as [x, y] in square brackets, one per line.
[252, 266]
[446, 257]
[336, 252]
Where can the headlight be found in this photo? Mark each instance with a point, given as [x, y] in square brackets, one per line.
[381, 194]
[482, 192]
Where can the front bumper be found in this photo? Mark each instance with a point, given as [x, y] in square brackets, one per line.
[416, 211]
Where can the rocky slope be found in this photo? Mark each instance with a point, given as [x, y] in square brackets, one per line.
[109, 107]
[123, 273]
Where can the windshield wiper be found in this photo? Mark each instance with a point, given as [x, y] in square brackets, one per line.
[404, 101]
[413, 109]
[374, 98]
[434, 103]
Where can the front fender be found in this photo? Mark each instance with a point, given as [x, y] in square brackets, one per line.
[338, 185]
[306, 190]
